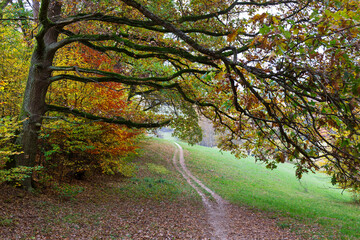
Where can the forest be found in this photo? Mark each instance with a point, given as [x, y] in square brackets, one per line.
[83, 81]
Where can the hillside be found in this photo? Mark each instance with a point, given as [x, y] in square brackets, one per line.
[312, 201]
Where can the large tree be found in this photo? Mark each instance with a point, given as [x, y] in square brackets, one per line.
[280, 77]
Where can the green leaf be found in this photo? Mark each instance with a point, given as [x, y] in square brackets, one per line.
[333, 180]
[287, 34]
[264, 30]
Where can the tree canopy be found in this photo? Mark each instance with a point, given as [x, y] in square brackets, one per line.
[277, 78]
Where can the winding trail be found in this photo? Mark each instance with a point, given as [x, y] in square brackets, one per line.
[229, 221]
[216, 210]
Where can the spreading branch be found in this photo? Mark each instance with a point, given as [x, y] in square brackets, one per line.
[116, 120]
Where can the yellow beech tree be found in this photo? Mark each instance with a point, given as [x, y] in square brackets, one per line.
[14, 63]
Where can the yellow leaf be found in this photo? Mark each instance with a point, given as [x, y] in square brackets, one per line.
[259, 17]
[231, 37]
[275, 20]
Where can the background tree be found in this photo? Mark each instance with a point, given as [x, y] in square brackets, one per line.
[14, 61]
[282, 76]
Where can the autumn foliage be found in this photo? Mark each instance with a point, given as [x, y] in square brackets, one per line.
[74, 146]
[276, 78]
[14, 60]
[70, 149]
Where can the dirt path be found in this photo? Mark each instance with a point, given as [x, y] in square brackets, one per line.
[229, 221]
[216, 209]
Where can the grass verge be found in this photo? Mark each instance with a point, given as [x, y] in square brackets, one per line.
[156, 177]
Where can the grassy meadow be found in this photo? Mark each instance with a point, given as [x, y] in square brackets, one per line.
[312, 201]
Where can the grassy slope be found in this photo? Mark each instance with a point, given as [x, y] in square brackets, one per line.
[312, 201]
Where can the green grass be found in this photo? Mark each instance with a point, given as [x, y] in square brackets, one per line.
[156, 177]
[312, 201]
[152, 188]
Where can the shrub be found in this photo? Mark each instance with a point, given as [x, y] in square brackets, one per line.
[70, 149]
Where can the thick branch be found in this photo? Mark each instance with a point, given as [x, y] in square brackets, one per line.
[149, 25]
[111, 76]
[144, 48]
[43, 13]
[116, 120]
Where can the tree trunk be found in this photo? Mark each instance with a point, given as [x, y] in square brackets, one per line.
[33, 109]
[34, 106]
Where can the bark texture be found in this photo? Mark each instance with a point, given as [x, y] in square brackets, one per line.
[34, 106]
